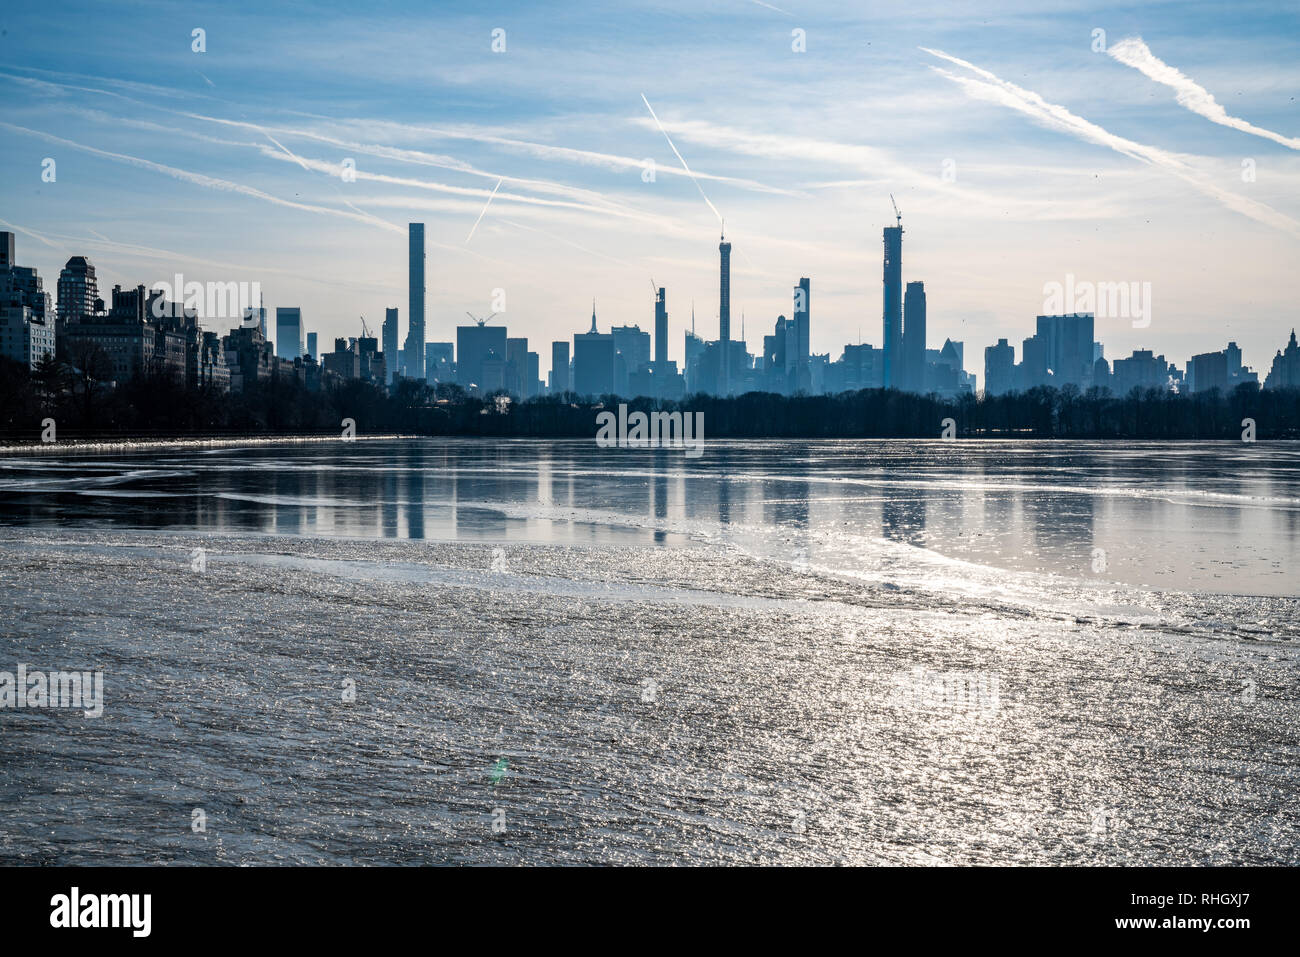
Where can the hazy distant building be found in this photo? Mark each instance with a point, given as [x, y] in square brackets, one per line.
[288, 332]
[440, 361]
[1068, 345]
[593, 361]
[481, 357]
[999, 368]
[1142, 370]
[559, 368]
[693, 349]
[414, 351]
[521, 369]
[661, 327]
[1218, 370]
[914, 365]
[724, 289]
[1285, 372]
[256, 316]
[388, 333]
[311, 345]
[632, 355]
[778, 359]
[861, 366]
[946, 370]
[797, 364]
[893, 307]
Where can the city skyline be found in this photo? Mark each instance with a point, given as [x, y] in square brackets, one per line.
[114, 336]
[546, 197]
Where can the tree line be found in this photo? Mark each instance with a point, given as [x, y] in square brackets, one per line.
[153, 404]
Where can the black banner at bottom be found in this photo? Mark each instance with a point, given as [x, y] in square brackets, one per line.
[1226, 906]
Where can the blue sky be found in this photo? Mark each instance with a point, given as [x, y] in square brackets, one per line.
[225, 164]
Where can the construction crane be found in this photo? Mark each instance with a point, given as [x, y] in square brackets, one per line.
[365, 330]
[482, 322]
[897, 215]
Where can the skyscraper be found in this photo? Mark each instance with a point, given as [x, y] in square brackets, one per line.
[288, 332]
[724, 291]
[913, 373]
[661, 329]
[1068, 348]
[593, 361]
[559, 367]
[389, 334]
[439, 361]
[414, 352]
[311, 345]
[481, 357]
[78, 290]
[999, 368]
[893, 311]
[802, 312]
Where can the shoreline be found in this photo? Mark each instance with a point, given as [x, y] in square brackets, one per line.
[145, 443]
[120, 444]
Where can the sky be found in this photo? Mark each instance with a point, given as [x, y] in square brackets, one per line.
[1022, 147]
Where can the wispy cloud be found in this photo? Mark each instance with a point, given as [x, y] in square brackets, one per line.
[991, 88]
[1133, 51]
[201, 179]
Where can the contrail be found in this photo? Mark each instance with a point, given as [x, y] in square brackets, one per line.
[1133, 51]
[200, 179]
[996, 90]
[287, 151]
[681, 159]
[483, 210]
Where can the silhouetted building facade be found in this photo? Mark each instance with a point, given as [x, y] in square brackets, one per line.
[893, 307]
[1285, 372]
[413, 354]
[999, 368]
[288, 332]
[559, 368]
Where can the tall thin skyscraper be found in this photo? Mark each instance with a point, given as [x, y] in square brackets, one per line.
[724, 292]
[893, 312]
[389, 333]
[559, 368]
[913, 377]
[311, 345]
[661, 330]
[802, 316]
[414, 352]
